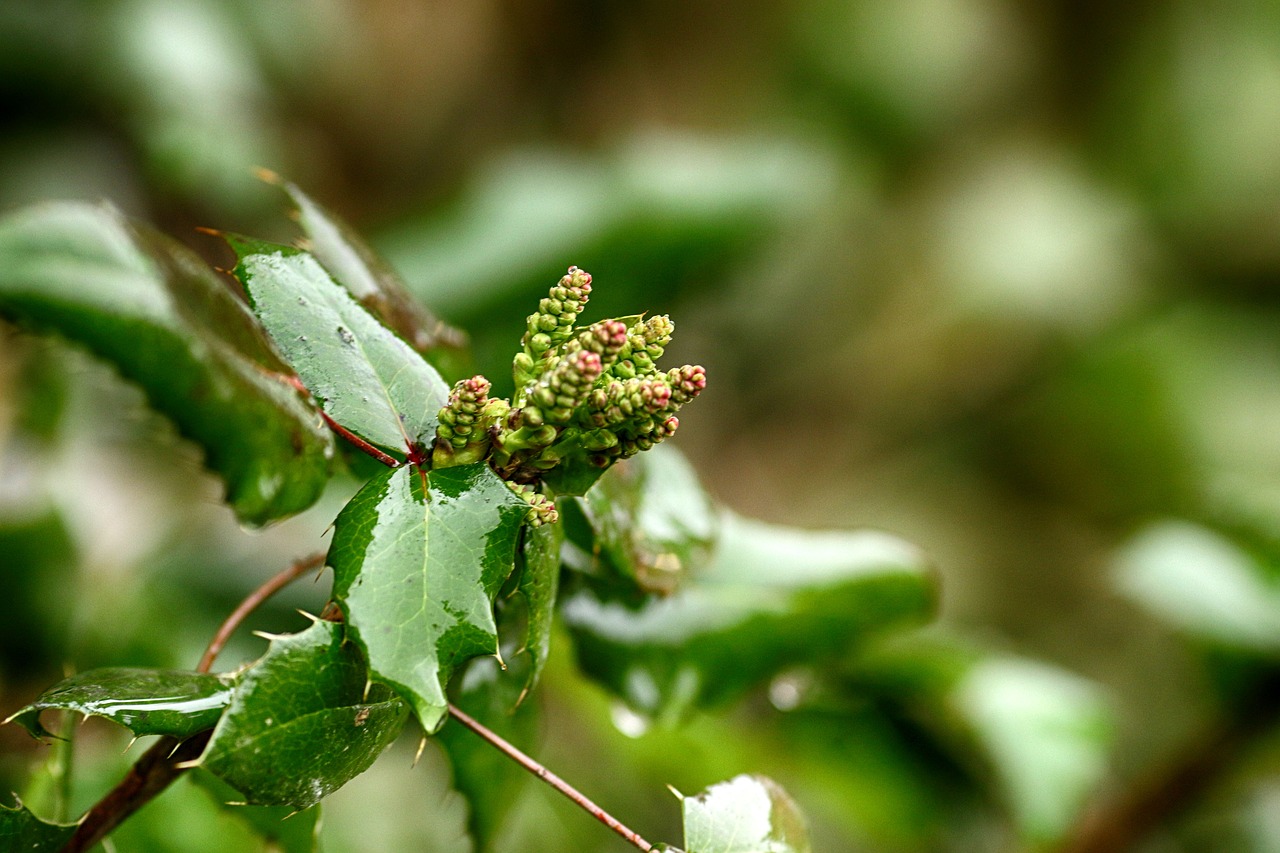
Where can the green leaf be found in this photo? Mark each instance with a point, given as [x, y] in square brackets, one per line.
[538, 587]
[771, 598]
[145, 701]
[650, 521]
[301, 723]
[154, 310]
[491, 782]
[1204, 584]
[1041, 734]
[366, 378]
[372, 281]
[747, 814]
[284, 827]
[418, 558]
[20, 830]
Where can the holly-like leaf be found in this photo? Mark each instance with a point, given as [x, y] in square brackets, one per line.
[490, 781]
[146, 701]
[538, 586]
[301, 723]
[648, 521]
[20, 830]
[366, 378]
[772, 597]
[154, 310]
[284, 827]
[747, 814]
[418, 558]
[371, 280]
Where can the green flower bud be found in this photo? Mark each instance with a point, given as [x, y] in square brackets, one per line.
[686, 382]
[542, 509]
[462, 434]
[552, 324]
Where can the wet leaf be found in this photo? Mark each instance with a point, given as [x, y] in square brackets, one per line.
[20, 830]
[418, 558]
[1204, 584]
[150, 307]
[491, 782]
[366, 378]
[649, 521]
[372, 281]
[538, 586]
[145, 701]
[747, 814]
[771, 597]
[284, 827]
[301, 723]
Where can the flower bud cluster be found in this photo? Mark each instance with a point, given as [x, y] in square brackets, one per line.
[542, 509]
[583, 397]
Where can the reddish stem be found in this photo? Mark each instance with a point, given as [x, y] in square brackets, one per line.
[550, 778]
[355, 440]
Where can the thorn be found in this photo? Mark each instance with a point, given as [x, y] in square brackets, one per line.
[314, 619]
[212, 232]
[128, 746]
[270, 638]
[523, 693]
[678, 795]
[188, 765]
[368, 682]
[501, 663]
[422, 745]
[236, 804]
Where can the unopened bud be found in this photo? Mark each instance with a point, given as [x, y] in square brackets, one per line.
[686, 382]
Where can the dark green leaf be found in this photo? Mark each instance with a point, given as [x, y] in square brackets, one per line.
[1043, 733]
[538, 586]
[301, 723]
[650, 521]
[1204, 584]
[153, 309]
[491, 782]
[747, 814]
[771, 598]
[418, 558]
[284, 827]
[367, 379]
[372, 281]
[23, 832]
[146, 701]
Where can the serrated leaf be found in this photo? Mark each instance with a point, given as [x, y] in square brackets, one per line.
[747, 814]
[650, 521]
[418, 558]
[490, 781]
[154, 310]
[284, 827]
[20, 830]
[538, 587]
[1204, 584]
[372, 281]
[366, 378]
[301, 723]
[145, 701]
[771, 597]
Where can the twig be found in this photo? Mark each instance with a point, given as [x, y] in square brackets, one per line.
[252, 603]
[550, 778]
[1180, 785]
[163, 762]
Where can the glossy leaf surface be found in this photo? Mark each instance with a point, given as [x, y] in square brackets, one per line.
[771, 598]
[1204, 584]
[285, 828]
[301, 724]
[538, 587]
[650, 521]
[20, 830]
[418, 558]
[366, 378]
[154, 310]
[371, 280]
[145, 701]
[747, 814]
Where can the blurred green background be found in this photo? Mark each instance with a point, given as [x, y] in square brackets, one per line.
[999, 277]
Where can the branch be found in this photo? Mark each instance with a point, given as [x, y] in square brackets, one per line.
[550, 778]
[1180, 785]
[163, 762]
